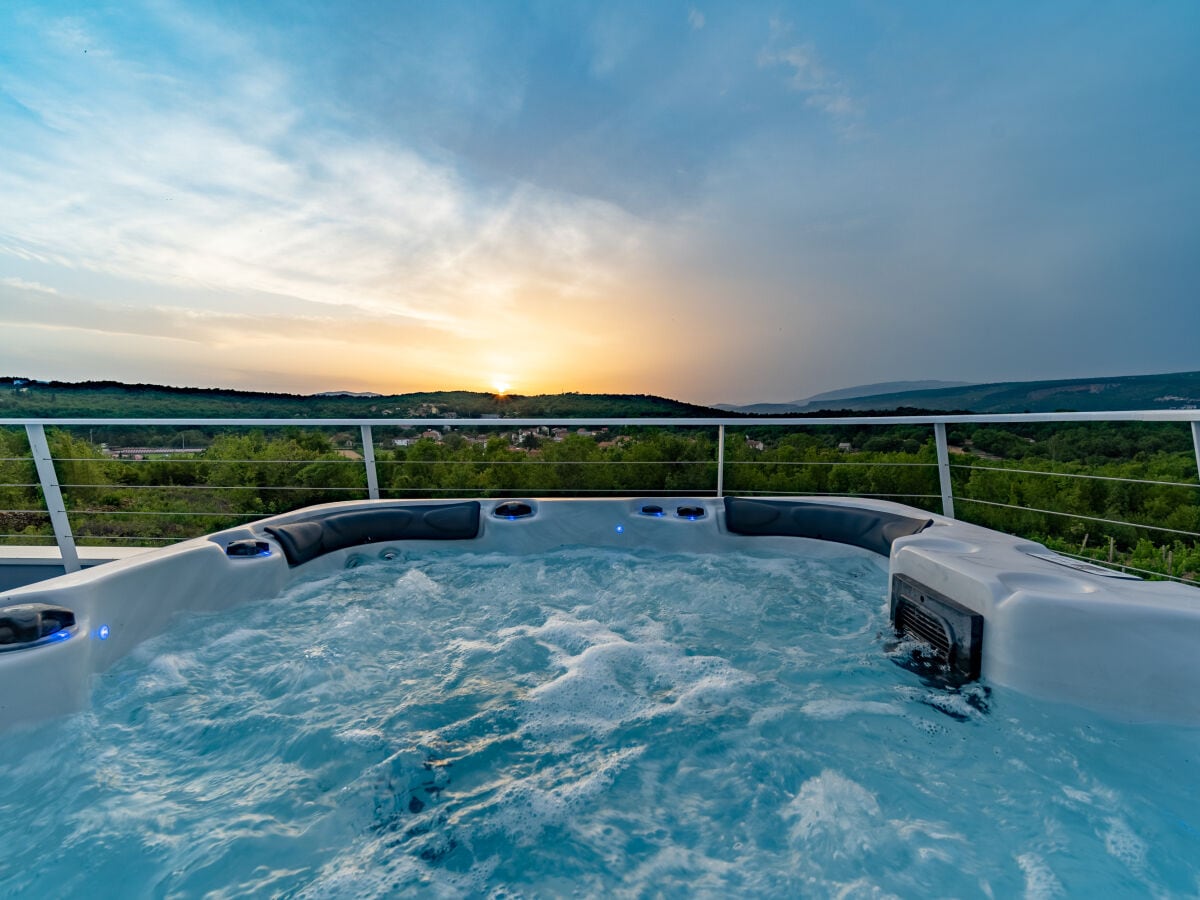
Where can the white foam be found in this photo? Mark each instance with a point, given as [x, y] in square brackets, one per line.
[366, 737]
[1125, 846]
[841, 709]
[1040, 882]
[607, 680]
[838, 830]
[169, 670]
[957, 704]
[551, 797]
[418, 582]
[833, 812]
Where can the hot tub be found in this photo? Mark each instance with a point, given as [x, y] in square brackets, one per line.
[680, 697]
[993, 606]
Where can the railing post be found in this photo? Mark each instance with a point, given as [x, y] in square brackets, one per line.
[369, 461]
[1196, 443]
[720, 460]
[52, 494]
[943, 461]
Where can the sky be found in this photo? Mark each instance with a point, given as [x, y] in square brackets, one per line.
[716, 202]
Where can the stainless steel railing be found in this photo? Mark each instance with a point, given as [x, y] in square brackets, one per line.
[51, 489]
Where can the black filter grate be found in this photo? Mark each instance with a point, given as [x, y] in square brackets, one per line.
[952, 632]
[916, 623]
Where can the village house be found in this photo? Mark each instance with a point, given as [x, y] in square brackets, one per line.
[618, 441]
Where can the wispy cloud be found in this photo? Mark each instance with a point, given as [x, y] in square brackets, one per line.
[24, 285]
[135, 179]
[193, 326]
[823, 88]
[696, 18]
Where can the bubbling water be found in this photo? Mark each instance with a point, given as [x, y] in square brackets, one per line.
[589, 722]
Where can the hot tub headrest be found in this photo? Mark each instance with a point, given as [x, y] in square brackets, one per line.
[871, 529]
[302, 541]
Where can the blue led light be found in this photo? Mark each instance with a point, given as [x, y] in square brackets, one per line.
[58, 636]
[102, 632]
[620, 529]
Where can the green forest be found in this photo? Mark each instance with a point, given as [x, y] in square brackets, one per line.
[1014, 478]
[23, 398]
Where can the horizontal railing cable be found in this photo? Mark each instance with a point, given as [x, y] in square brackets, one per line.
[454, 462]
[774, 462]
[1185, 484]
[122, 537]
[1124, 567]
[657, 492]
[545, 462]
[208, 462]
[211, 487]
[1054, 512]
[157, 512]
[833, 494]
[584, 491]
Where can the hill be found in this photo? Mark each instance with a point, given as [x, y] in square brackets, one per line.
[21, 397]
[885, 387]
[1179, 390]
[861, 390]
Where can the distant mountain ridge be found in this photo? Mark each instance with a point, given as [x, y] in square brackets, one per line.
[1176, 390]
[861, 390]
[884, 387]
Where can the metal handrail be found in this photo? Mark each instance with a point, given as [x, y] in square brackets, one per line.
[1145, 415]
[58, 514]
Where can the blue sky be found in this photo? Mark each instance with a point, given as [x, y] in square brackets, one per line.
[717, 202]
